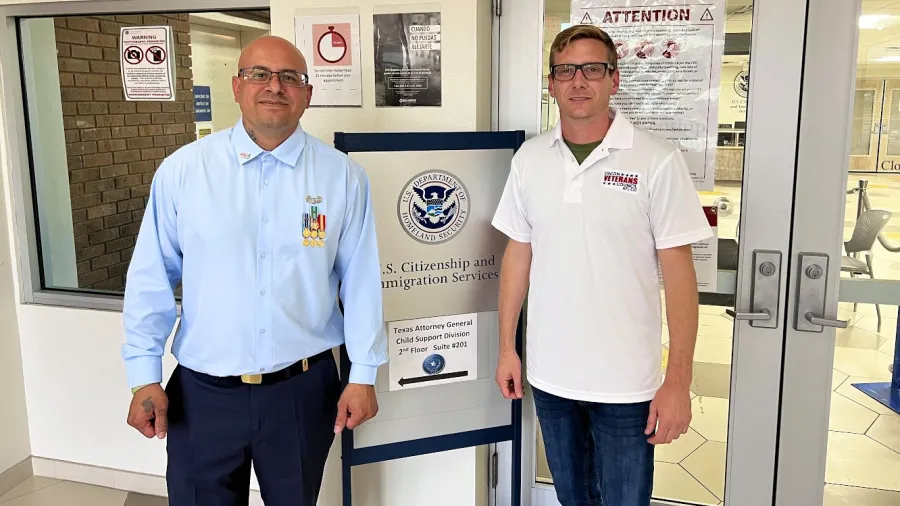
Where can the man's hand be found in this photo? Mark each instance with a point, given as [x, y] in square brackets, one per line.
[149, 411]
[671, 409]
[509, 375]
[357, 404]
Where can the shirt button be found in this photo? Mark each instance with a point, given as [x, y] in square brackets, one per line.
[263, 255]
[262, 292]
[262, 331]
[265, 220]
[266, 182]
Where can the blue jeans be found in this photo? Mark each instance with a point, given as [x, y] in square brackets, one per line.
[598, 453]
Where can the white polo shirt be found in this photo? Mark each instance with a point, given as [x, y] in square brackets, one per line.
[594, 310]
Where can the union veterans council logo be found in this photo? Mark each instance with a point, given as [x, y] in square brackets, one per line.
[627, 181]
[433, 206]
[433, 364]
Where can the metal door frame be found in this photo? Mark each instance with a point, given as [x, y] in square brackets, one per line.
[773, 111]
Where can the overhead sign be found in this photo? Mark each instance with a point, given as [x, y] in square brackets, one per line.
[202, 103]
[433, 351]
[146, 54]
[670, 62]
[331, 46]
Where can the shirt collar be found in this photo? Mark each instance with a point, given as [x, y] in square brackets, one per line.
[619, 136]
[246, 149]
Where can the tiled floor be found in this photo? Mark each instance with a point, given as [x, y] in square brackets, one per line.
[863, 460]
[37, 491]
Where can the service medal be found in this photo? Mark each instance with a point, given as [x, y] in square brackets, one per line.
[306, 242]
[306, 232]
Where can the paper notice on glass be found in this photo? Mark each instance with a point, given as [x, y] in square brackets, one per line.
[670, 62]
[331, 47]
[146, 54]
[706, 256]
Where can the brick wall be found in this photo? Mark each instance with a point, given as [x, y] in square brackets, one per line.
[113, 146]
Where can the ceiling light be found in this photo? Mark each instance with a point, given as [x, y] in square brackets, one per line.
[876, 21]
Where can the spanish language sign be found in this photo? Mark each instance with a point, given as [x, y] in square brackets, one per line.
[670, 61]
[145, 58]
[433, 351]
[331, 46]
[407, 59]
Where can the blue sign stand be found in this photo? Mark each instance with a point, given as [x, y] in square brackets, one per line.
[437, 141]
[887, 393]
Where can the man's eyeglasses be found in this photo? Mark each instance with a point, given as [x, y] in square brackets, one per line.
[590, 71]
[290, 78]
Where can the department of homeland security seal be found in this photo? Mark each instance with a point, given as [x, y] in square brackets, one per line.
[433, 206]
[433, 364]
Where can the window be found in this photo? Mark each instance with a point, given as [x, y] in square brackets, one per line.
[93, 153]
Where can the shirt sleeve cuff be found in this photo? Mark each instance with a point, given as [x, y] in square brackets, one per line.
[143, 371]
[508, 231]
[363, 374]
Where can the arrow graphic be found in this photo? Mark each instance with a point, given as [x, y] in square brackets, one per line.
[422, 379]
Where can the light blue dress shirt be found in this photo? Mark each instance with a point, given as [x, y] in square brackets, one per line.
[227, 219]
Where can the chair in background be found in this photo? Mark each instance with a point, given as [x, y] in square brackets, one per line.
[868, 226]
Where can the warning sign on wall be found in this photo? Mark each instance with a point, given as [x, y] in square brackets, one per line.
[670, 62]
[146, 61]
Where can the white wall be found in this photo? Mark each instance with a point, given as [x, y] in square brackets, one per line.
[465, 86]
[76, 392]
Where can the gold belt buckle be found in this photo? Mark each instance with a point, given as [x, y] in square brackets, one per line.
[251, 379]
[305, 365]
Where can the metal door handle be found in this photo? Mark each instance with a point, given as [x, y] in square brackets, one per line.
[763, 316]
[825, 322]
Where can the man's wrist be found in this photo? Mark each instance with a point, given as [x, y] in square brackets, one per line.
[139, 387]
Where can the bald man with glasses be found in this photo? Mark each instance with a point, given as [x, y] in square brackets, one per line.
[265, 228]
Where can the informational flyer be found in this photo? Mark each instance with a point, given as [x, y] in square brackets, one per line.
[706, 256]
[407, 59]
[433, 351]
[670, 62]
[147, 70]
[202, 103]
[331, 46]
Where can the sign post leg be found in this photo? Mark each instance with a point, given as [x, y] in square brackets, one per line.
[346, 439]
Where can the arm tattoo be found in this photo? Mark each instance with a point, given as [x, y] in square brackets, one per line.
[148, 405]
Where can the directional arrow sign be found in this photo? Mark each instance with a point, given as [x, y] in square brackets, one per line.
[422, 379]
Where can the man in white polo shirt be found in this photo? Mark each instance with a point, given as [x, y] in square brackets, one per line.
[592, 209]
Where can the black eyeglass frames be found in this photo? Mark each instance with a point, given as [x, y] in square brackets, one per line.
[591, 71]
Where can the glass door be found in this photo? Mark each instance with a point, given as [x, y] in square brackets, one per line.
[875, 131]
[729, 454]
[841, 397]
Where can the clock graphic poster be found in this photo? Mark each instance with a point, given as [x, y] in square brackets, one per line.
[330, 45]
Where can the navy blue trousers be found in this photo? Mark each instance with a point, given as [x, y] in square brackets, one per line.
[598, 454]
[215, 430]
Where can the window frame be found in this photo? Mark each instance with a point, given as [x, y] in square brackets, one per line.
[17, 158]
